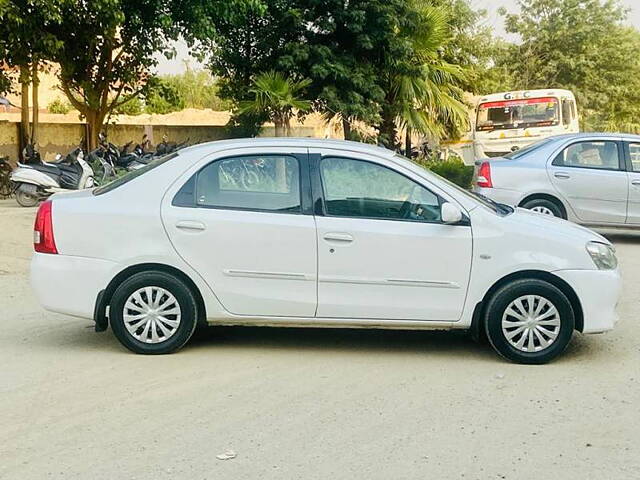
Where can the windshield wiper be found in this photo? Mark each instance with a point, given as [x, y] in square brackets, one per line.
[500, 207]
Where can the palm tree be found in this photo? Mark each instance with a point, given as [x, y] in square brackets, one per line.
[422, 92]
[278, 97]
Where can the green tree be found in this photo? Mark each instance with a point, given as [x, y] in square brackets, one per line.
[106, 50]
[585, 46]
[422, 90]
[278, 98]
[473, 47]
[26, 44]
[349, 50]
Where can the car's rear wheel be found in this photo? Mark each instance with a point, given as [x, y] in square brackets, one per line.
[544, 206]
[153, 313]
[529, 321]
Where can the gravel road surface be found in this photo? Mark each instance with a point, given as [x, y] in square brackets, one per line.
[307, 404]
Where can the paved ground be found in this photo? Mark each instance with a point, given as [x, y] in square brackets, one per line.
[307, 404]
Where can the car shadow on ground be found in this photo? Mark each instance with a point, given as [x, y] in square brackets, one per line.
[621, 236]
[453, 344]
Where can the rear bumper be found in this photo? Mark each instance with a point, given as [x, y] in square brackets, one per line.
[69, 285]
[500, 195]
[598, 292]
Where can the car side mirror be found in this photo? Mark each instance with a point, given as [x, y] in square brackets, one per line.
[450, 213]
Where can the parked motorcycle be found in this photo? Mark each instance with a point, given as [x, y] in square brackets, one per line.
[6, 186]
[36, 182]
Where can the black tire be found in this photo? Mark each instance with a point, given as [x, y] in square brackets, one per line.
[26, 197]
[509, 293]
[543, 203]
[184, 298]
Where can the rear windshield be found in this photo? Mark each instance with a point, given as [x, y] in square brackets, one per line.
[107, 187]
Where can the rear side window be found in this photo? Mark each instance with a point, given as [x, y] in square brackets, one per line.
[602, 155]
[252, 182]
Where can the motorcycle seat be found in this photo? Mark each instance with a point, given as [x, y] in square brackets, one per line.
[57, 169]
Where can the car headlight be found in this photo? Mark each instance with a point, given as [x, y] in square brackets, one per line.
[603, 255]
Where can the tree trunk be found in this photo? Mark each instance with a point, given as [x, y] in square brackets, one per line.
[387, 129]
[279, 125]
[24, 105]
[346, 128]
[95, 121]
[35, 82]
[407, 142]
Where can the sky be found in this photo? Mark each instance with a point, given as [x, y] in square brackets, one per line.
[177, 65]
[494, 20]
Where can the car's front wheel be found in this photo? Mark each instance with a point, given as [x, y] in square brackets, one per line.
[529, 321]
[153, 313]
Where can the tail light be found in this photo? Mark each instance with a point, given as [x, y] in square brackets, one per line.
[484, 176]
[43, 240]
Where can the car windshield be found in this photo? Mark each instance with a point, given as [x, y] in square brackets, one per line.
[520, 113]
[528, 149]
[112, 185]
[498, 208]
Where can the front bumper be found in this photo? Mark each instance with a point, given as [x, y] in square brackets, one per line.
[598, 292]
[69, 285]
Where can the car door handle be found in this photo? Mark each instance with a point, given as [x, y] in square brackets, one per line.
[561, 175]
[190, 225]
[338, 237]
[636, 182]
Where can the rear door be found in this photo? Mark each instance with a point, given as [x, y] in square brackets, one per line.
[245, 224]
[383, 251]
[591, 176]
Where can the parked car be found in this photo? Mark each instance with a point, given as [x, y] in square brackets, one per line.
[305, 232]
[588, 178]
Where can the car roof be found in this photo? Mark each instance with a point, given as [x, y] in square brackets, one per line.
[303, 142]
[604, 135]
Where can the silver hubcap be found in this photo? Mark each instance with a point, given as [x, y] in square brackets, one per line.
[151, 314]
[542, 210]
[531, 323]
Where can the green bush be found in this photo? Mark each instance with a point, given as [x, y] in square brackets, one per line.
[163, 97]
[172, 93]
[59, 106]
[132, 107]
[452, 169]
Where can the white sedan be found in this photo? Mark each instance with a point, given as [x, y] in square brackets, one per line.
[304, 232]
[589, 178]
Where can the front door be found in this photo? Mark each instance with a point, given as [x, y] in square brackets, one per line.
[241, 222]
[633, 167]
[590, 175]
[383, 252]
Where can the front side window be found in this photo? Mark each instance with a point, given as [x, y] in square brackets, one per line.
[252, 182]
[598, 155]
[356, 188]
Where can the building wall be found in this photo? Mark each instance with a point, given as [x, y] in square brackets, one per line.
[56, 138]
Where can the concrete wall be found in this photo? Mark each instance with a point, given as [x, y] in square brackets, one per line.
[62, 137]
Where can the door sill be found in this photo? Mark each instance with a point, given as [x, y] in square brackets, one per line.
[336, 323]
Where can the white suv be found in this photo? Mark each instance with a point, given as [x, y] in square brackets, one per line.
[313, 233]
